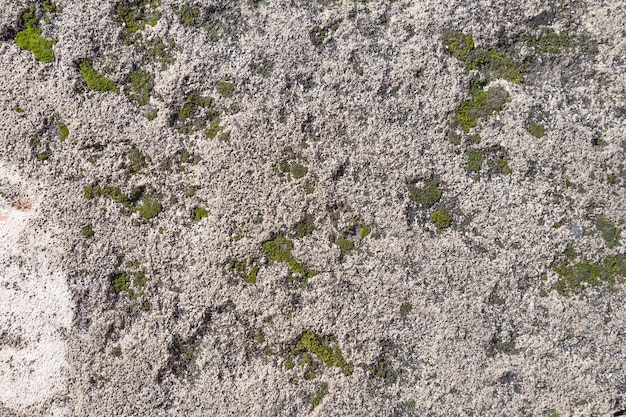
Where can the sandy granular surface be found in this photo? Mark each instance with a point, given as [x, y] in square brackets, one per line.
[285, 208]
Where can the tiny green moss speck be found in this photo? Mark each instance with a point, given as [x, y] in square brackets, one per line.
[88, 231]
[95, 80]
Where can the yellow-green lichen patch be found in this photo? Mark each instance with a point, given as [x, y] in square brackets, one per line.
[140, 86]
[610, 233]
[458, 44]
[427, 195]
[324, 348]
[133, 16]
[576, 277]
[279, 250]
[30, 39]
[96, 81]
[441, 219]
[482, 104]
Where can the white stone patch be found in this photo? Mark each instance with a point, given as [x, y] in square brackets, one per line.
[34, 301]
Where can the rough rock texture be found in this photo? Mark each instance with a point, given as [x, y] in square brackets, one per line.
[284, 208]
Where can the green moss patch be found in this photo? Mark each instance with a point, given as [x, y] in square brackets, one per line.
[195, 113]
[475, 159]
[610, 233]
[319, 395]
[133, 16]
[536, 129]
[324, 348]
[149, 208]
[140, 87]
[441, 219]
[427, 195]
[576, 277]
[305, 227]
[96, 81]
[482, 104]
[129, 282]
[248, 273]
[199, 214]
[30, 39]
[63, 130]
[495, 64]
[225, 88]
[279, 249]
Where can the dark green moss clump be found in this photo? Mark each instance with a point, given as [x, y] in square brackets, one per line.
[427, 195]
[325, 349]
[194, 114]
[610, 233]
[95, 80]
[441, 219]
[482, 104]
[279, 250]
[30, 39]
[551, 42]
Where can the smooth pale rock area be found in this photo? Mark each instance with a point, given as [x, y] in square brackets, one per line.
[312, 208]
[35, 302]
